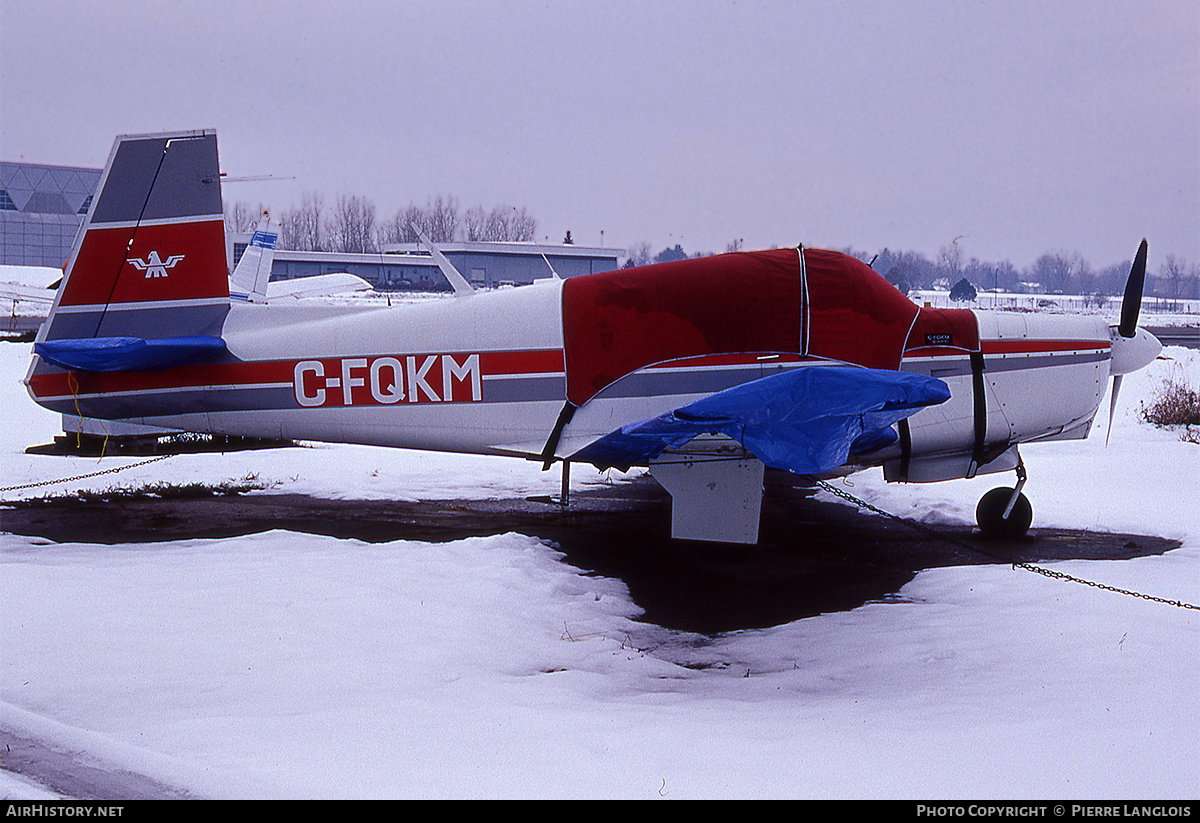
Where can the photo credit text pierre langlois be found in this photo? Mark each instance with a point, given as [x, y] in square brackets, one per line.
[1052, 810]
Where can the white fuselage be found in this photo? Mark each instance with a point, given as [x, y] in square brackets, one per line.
[485, 374]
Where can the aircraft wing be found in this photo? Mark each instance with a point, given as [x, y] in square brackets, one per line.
[805, 421]
[26, 294]
[317, 285]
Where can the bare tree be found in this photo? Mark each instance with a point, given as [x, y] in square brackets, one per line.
[390, 230]
[638, 255]
[402, 228]
[442, 218]
[1174, 270]
[240, 218]
[524, 226]
[1005, 275]
[499, 221]
[352, 225]
[950, 262]
[474, 223]
[438, 220]
[1053, 271]
[1111, 279]
[300, 228]
[413, 219]
[1082, 276]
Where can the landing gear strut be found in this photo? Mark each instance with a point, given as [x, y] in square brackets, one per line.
[1005, 512]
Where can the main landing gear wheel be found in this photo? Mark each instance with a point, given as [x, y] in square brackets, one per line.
[990, 513]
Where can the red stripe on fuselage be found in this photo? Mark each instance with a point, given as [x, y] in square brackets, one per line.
[1004, 347]
[512, 363]
[263, 372]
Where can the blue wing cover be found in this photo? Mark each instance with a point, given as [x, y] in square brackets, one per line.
[109, 354]
[805, 421]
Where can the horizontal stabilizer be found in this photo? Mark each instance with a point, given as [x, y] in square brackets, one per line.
[116, 354]
[805, 421]
[317, 285]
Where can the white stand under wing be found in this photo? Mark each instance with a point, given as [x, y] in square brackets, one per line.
[717, 500]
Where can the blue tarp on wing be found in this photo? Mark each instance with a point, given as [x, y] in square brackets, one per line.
[805, 421]
[110, 354]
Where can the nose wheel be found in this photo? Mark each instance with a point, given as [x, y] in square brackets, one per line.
[1005, 512]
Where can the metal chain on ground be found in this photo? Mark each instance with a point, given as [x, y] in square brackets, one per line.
[113, 470]
[845, 495]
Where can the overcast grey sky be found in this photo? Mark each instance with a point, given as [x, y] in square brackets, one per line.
[1016, 127]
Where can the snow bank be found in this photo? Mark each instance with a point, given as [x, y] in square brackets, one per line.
[290, 665]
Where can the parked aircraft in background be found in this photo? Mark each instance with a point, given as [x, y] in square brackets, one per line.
[251, 278]
[704, 370]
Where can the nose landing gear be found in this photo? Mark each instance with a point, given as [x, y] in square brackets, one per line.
[1005, 512]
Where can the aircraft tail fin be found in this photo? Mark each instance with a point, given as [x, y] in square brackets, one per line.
[459, 283]
[253, 271]
[149, 262]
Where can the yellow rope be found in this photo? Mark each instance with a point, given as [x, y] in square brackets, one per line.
[74, 384]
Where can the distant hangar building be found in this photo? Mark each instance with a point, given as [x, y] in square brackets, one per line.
[410, 267]
[42, 208]
[489, 265]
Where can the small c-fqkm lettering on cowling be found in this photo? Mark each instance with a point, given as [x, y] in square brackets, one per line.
[370, 381]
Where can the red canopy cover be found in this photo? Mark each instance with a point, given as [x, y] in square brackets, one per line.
[829, 306]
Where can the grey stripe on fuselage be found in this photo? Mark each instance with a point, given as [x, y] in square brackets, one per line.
[661, 382]
[959, 366]
[259, 397]
[167, 403]
[523, 389]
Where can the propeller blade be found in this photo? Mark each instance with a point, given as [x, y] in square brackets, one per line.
[1112, 406]
[1131, 303]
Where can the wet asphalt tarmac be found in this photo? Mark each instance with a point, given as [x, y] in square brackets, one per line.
[813, 556]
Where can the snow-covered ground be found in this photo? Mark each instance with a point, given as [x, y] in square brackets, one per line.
[285, 665]
[1155, 311]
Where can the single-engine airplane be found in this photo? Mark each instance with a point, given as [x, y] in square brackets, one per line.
[705, 371]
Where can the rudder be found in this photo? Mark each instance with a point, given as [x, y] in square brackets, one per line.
[150, 258]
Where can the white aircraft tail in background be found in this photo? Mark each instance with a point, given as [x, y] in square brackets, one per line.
[253, 271]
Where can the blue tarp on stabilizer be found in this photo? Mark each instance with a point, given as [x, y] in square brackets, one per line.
[805, 421]
[109, 354]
